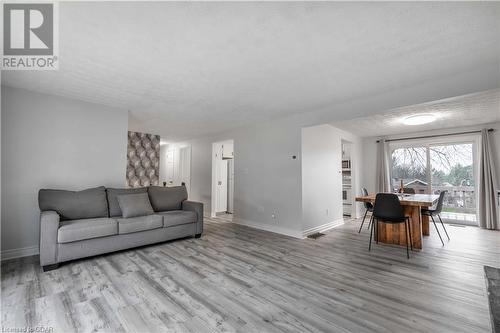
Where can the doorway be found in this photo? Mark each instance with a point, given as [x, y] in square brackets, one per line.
[348, 207]
[436, 167]
[222, 178]
[175, 165]
[185, 167]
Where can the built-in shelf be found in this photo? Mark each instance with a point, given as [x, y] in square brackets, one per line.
[347, 205]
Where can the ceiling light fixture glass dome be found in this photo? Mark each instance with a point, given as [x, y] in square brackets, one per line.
[419, 119]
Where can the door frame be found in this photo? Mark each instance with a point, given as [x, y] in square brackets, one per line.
[216, 155]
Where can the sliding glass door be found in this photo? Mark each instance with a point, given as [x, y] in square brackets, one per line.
[432, 168]
[452, 168]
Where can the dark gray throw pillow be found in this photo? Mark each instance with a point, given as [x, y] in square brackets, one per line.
[133, 205]
[167, 198]
[113, 193]
[74, 205]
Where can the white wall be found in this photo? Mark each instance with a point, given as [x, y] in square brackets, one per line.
[53, 142]
[321, 176]
[267, 179]
[370, 149]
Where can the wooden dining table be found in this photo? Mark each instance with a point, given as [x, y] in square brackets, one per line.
[419, 224]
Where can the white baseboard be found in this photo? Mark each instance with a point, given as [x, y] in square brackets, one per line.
[269, 227]
[323, 227]
[18, 253]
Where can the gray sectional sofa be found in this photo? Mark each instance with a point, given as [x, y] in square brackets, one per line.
[80, 224]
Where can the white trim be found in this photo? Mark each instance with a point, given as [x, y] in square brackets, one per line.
[323, 227]
[269, 227]
[20, 252]
[213, 191]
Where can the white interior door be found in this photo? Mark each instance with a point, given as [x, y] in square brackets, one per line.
[221, 186]
[185, 167]
[170, 174]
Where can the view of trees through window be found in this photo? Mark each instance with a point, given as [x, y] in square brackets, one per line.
[450, 168]
[410, 165]
[452, 164]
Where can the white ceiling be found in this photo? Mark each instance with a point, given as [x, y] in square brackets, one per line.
[187, 69]
[471, 109]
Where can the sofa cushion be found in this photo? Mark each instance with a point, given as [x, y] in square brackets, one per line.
[141, 223]
[133, 205]
[75, 205]
[113, 193]
[178, 217]
[167, 198]
[75, 230]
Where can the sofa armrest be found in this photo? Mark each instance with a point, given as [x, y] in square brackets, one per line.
[49, 224]
[196, 207]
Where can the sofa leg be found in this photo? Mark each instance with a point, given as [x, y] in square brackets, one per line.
[50, 267]
[197, 236]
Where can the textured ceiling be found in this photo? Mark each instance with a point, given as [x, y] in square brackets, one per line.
[472, 109]
[186, 69]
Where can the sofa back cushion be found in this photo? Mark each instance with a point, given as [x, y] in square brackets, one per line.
[167, 198]
[74, 205]
[113, 193]
[133, 205]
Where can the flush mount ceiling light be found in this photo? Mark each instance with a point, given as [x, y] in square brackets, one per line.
[419, 119]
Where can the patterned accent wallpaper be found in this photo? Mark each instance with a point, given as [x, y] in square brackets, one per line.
[143, 159]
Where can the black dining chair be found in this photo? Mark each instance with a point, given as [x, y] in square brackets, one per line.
[408, 190]
[368, 207]
[437, 212]
[388, 209]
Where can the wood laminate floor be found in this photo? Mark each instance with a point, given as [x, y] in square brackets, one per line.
[237, 278]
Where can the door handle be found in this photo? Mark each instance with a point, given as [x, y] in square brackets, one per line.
[219, 182]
